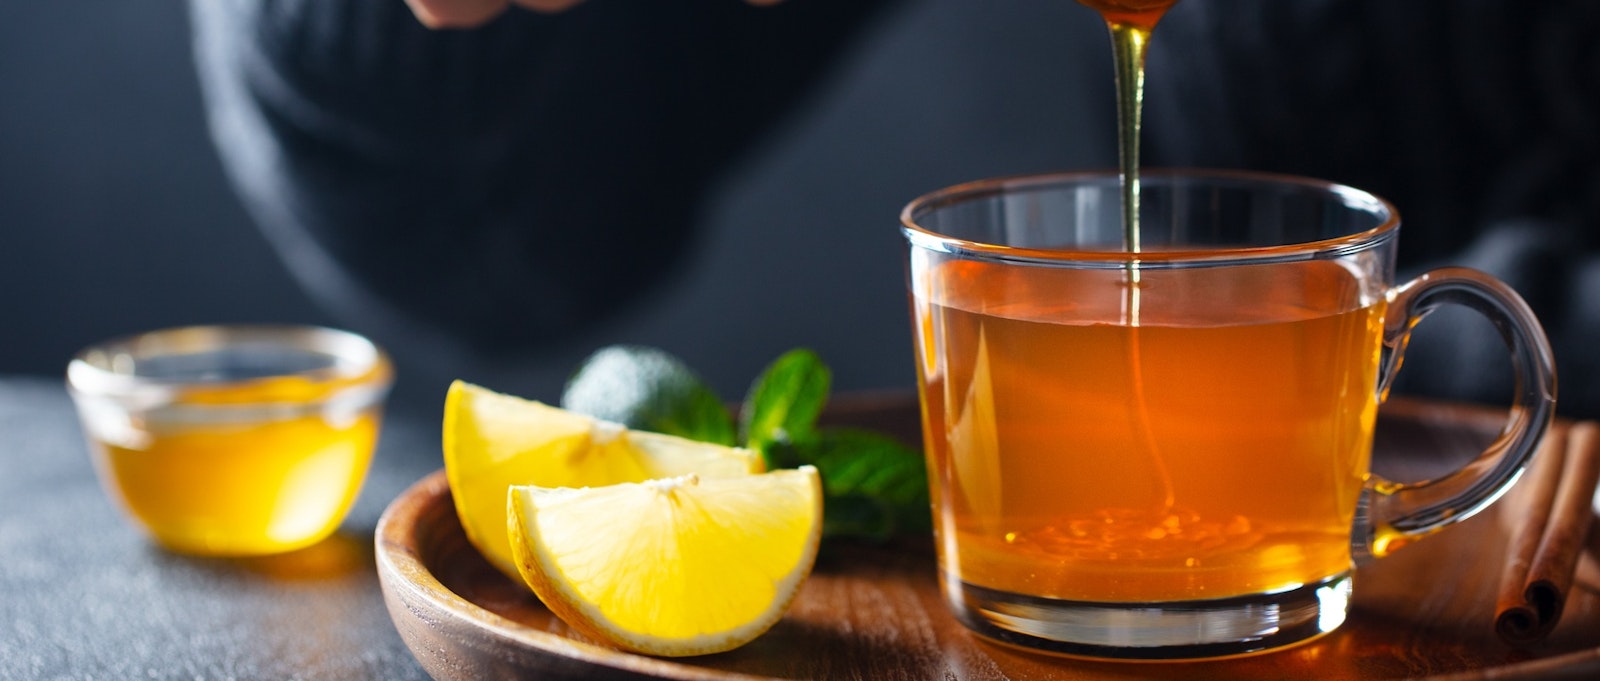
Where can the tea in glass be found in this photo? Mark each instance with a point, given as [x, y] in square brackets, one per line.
[1165, 454]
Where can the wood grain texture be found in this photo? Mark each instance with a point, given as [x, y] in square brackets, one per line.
[875, 612]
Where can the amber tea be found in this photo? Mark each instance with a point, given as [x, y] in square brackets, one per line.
[1210, 451]
[1165, 453]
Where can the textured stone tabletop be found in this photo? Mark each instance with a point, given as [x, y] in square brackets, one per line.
[83, 595]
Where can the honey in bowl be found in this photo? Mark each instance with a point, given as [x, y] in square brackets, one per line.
[233, 440]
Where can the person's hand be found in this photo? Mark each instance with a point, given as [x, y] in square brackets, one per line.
[469, 13]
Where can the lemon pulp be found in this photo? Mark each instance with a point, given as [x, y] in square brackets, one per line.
[493, 441]
[677, 566]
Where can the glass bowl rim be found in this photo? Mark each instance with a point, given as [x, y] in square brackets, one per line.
[358, 361]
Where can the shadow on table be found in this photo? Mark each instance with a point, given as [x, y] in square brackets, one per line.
[340, 555]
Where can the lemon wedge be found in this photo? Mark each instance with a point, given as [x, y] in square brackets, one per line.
[493, 441]
[673, 567]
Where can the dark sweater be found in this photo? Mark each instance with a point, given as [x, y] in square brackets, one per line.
[496, 189]
[1479, 119]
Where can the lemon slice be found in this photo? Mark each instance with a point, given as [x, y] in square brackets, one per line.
[677, 566]
[493, 441]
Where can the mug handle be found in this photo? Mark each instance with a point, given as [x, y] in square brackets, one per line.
[1390, 514]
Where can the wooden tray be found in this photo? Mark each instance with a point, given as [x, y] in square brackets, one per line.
[875, 612]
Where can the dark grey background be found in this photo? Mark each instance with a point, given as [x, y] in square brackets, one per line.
[115, 216]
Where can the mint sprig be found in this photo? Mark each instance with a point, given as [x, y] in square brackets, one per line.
[785, 400]
[874, 487]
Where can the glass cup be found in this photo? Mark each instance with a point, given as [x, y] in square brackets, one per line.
[232, 440]
[1165, 454]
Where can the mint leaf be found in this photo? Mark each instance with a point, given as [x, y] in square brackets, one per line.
[784, 401]
[862, 463]
[858, 515]
[785, 454]
[648, 389]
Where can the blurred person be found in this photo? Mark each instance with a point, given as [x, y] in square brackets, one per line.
[469, 198]
[489, 177]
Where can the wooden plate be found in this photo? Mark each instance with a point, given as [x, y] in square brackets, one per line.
[875, 612]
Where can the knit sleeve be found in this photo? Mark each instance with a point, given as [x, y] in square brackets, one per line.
[506, 186]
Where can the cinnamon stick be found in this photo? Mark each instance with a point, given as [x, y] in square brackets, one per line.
[1516, 618]
[1545, 551]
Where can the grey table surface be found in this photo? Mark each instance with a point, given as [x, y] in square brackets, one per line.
[83, 595]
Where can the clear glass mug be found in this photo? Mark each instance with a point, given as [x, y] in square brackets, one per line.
[232, 440]
[1165, 455]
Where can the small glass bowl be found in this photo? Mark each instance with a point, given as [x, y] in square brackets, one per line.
[232, 440]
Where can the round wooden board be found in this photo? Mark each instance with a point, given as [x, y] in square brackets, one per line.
[875, 612]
